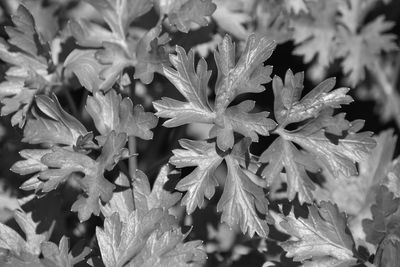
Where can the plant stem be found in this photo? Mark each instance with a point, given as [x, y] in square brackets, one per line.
[132, 162]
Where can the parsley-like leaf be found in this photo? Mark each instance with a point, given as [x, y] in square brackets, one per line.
[201, 182]
[315, 111]
[245, 76]
[320, 239]
[59, 164]
[30, 60]
[314, 33]
[362, 50]
[53, 125]
[242, 202]
[192, 11]
[151, 54]
[384, 230]
[143, 241]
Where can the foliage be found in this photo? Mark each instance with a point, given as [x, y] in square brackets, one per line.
[290, 179]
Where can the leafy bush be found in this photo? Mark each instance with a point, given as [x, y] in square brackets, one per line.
[247, 167]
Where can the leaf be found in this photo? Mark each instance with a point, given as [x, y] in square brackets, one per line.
[12, 241]
[89, 34]
[202, 181]
[50, 254]
[234, 79]
[159, 197]
[111, 112]
[337, 158]
[283, 154]
[363, 49]
[29, 60]
[63, 163]
[192, 85]
[239, 119]
[46, 23]
[273, 20]
[385, 218]
[59, 255]
[138, 240]
[136, 194]
[388, 251]
[296, 6]
[168, 249]
[245, 76]
[232, 18]
[192, 11]
[119, 14]
[17, 98]
[383, 230]
[151, 54]
[122, 200]
[321, 237]
[355, 194]
[324, 141]
[31, 162]
[85, 66]
[314, 33]
[242, 201]
[99, 69]
[8, 259]
[392, 180]
[53, 126]
[288, 107]
[115, 59]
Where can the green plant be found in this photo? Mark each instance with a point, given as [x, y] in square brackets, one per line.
[298, 184]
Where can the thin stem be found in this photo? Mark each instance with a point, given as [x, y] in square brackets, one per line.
[132, 161]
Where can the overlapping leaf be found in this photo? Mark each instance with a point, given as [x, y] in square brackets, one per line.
[201, 182]
[99, 69]
[385, 217]
[232, 16]
[12, 241]
[29, 59]
[60, 255]
[361, 51]
[57, 165]
[16, 251]
[314, 33]
[245, 76]
[120, 48]
[138, 229]
[119, 14]
[143, 240]
[242, 202]
[140, 197]
[316, 136]
[356, 194]
[273, 20]
[283, 154]
[383, 230]
[111, 112]
[319, 240]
